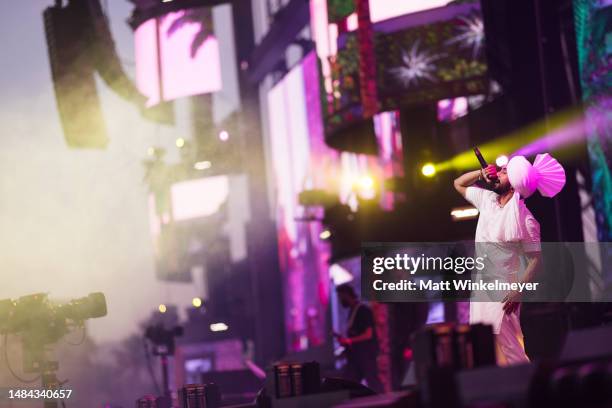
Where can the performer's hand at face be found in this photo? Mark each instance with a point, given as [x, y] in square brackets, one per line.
[490, 173]
[511, 302]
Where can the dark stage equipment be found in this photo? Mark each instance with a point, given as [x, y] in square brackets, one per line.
[588, 344]
[456, 346]
[40, 324]
[17, 316]
[388, 400]
[163, 346]
[199, 396]
[294, 384]
[69, 38]
[106, 58]
[239, 386]
[357, 137]
[440, 350]
[293, 379]
[80, 43]
[355, 389]
[151, 401]
[582, 380]
[330, 391]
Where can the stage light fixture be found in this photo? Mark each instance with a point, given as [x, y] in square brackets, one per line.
[366, 182]
[501, 160]
[325, 234]
[162, 308]
[366, 187]
[196, 302]
[218, 327]
[180, 142]
[464, 213]
[428, 170]
[559, 131]
[202, 165]
[339, 274]
[224, 135]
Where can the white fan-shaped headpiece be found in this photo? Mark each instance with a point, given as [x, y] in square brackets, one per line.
[546, 175]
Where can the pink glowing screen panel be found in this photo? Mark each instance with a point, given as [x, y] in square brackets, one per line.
[177, 55]
[385, 9]
[301, 161]
[198, 198]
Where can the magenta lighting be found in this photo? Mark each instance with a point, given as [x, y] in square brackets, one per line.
[572, 133]
[223, 135]
[167, 66]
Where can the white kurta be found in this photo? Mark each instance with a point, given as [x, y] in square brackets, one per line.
[500, 231]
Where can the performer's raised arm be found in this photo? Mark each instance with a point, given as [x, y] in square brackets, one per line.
[464, 181]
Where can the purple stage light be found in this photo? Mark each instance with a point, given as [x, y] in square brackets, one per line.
[571, 133]
[567, 135]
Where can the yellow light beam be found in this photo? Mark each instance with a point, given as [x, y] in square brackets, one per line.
[510, 143]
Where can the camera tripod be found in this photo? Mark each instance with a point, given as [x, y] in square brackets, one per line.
[38, 359]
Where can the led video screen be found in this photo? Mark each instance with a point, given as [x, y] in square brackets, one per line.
[184, 221]
[177, 55]
[428, 62]
[426, 57]
[198, 198]
[300, 161]
[380, 9]
[346, 104]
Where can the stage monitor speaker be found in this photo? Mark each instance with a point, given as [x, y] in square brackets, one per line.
[239, 386]
[507, 386]
[588, 344]
[356, 389]
[388, 400]
[199, 396]
[69, 35]
[455, 347]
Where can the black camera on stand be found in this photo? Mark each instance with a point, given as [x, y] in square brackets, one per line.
[163, 339]
[41, 323]
[163, 343]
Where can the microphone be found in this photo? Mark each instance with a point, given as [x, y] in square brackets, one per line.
[483, 162]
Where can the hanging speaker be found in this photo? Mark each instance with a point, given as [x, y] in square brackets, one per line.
[69, 36]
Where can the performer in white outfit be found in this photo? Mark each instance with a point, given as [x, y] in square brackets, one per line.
[507, 232]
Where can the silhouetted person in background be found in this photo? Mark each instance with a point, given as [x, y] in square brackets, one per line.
[360, 341]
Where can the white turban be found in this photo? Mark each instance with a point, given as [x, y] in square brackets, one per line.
[546, 175]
